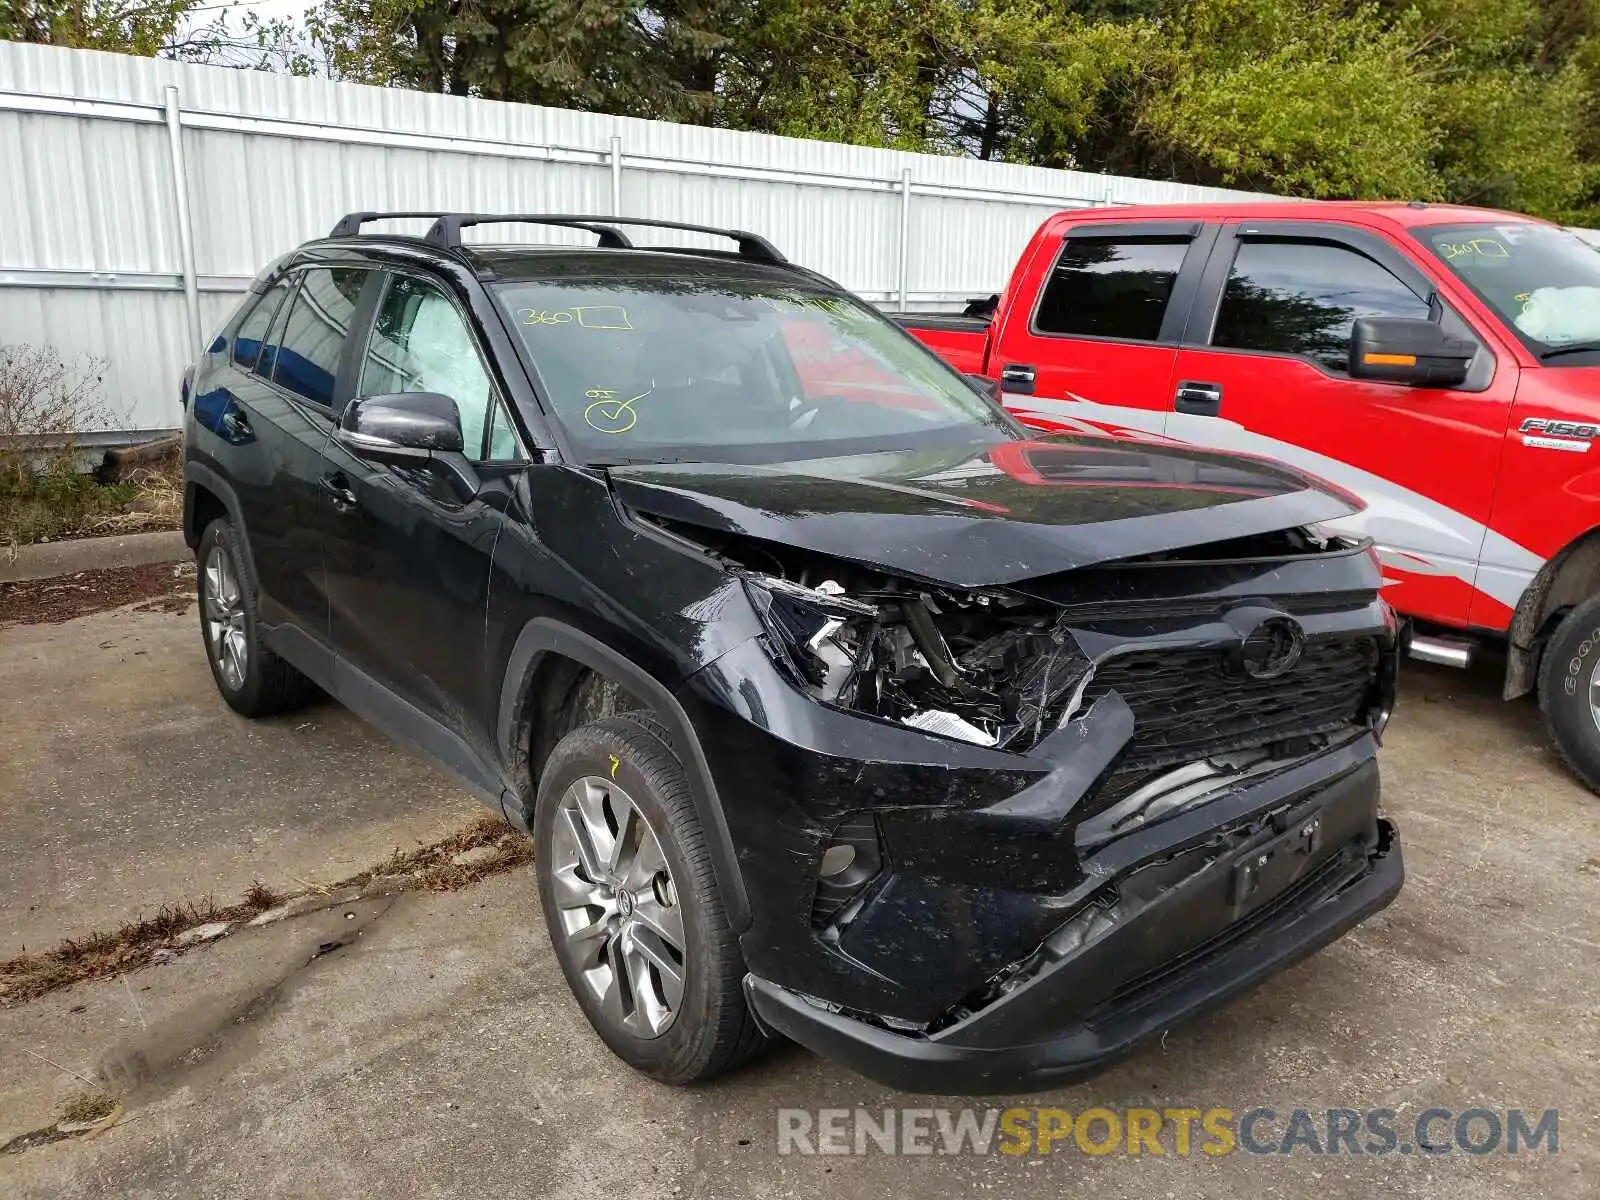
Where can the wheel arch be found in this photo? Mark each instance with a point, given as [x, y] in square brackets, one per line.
[1565, 580]
[549, 657]
[206, 496]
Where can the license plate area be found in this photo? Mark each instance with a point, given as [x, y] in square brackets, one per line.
[1269, 867]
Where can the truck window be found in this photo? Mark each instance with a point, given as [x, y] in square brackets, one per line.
[1303, 297]
[1108, 288]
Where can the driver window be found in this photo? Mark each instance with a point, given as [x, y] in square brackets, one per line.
[421, 344]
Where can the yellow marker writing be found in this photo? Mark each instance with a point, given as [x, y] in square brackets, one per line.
[606, 414]
[533, 316]
[603, 316]
[615, 763]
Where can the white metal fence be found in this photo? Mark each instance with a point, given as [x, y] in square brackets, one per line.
[138, 197]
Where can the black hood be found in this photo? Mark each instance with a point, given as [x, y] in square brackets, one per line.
[993, 515]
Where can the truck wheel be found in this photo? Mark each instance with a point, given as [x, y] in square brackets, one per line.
[252, 679]
[632, 905]
[1569, 690]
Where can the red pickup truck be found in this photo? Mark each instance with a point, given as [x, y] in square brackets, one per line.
[1442, 363]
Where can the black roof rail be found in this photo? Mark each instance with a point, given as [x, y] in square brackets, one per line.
[350, 224]
[447, 229]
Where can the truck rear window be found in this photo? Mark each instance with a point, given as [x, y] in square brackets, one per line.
[1104, 287]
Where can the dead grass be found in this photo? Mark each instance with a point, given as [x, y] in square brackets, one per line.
[88, 1106]
[261, 897]
[107, 953]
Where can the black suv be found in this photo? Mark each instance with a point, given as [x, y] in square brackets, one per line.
[837, 704]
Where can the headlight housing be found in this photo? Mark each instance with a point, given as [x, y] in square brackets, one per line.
[820, 635]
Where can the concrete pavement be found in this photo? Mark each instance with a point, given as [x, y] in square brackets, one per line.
[435, 1051]
[128, 782]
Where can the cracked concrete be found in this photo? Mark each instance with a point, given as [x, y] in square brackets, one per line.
[129, 782]
[435, 1052]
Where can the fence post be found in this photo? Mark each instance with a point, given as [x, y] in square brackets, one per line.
[616, 176]
[905, 234]
[180, 189]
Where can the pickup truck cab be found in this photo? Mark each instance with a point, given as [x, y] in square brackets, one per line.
[1442, 363]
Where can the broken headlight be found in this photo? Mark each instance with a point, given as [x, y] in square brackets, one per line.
[977, 668]
[821, 635]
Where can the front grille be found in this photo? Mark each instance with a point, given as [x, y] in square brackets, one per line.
[1188, 704]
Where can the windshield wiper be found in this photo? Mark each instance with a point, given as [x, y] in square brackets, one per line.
[652, 461]
[1575, 348]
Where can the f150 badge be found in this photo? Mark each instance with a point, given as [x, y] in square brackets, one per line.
[1543, 434]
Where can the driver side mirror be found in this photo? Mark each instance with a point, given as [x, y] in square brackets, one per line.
[410, 429]
[1408, 350]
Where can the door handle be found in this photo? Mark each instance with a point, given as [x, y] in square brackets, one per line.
[339, 491]
[1201, 399]
[1019, 378]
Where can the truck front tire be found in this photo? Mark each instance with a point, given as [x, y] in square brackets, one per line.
[1569, 690]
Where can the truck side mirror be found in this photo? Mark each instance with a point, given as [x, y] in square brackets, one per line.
[1408, 350]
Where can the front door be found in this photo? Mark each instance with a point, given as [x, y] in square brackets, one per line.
[408, 557]
[1270, 341]
[1097, 351]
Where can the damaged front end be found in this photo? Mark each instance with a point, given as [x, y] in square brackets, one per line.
[979, 816]
[990, 668]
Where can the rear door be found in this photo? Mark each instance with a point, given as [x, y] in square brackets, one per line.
[1269, 341]
[1097, 349]
[269, 448]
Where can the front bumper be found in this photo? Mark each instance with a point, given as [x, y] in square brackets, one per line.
[1086, 1010]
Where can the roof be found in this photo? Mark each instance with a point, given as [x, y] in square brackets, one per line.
[1409, 215]
[512, 262]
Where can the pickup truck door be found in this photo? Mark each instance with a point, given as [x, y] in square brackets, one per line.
[1268, 339]
[1095, 349]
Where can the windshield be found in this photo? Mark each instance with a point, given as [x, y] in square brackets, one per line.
[671, 368]
[1542, 281]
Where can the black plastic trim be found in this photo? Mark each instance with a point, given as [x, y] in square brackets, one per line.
[932, 1066]
[542, 636]
[411, 727]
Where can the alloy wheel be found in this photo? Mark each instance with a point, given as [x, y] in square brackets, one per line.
[619, 906]
[1594, 695]
[223, 606]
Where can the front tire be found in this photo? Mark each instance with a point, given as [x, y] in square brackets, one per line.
[632, 905]
[252, 679]
[1569, 690]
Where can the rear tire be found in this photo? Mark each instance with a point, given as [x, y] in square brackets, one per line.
[632, 905]
[252, 679]
[1569, 690]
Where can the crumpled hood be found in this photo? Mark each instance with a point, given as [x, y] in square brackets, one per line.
[991, 515]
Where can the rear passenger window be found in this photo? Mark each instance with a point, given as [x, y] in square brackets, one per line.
[253, 329]
[1102, 287]
[1303, 297]
[318, 325]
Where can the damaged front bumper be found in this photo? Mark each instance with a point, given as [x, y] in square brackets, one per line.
[950, 915]
[1190, 925]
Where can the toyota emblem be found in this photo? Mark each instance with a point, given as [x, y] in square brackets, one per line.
[1272, 648]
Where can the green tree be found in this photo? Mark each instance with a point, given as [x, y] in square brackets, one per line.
[125, 26]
